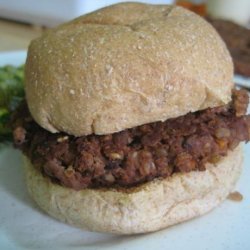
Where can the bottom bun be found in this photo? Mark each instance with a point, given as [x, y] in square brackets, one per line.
[149, 207]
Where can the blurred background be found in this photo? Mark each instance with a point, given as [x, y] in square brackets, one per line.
[23, 20]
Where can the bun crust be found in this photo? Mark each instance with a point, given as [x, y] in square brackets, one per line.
[124, 66]
[149, 207]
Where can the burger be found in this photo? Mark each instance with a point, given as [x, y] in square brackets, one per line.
[131, 122]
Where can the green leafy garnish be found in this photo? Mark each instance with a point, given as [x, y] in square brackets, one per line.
[11, 94]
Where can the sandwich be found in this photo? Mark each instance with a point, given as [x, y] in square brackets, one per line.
[131, 122]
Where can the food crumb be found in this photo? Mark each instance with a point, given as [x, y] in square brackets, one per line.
[235, 196]
[61, 139]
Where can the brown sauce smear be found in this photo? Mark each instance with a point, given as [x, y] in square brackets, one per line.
[235, 196]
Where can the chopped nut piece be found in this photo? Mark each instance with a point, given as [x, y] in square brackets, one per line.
[222, 133]
[214, 159]
[116, 156]
[69, 171]
[61, 139]
[109, 178]
[222, 143]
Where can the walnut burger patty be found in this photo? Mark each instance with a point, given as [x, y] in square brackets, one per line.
[136, 155]
[131, 122]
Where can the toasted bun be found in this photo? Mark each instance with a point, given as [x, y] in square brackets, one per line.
[123, 66]
[149, 207]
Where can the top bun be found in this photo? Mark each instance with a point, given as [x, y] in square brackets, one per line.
[124, 66]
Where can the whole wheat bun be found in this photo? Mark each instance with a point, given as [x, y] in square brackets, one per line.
[149, 207]
[123, 66]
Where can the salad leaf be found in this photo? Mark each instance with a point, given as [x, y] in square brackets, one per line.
[11, 94]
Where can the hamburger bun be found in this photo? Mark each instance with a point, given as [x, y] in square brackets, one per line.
[124, 66]
[148, 207]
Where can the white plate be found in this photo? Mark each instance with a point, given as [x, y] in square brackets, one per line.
[242, 80]
[24, 226]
